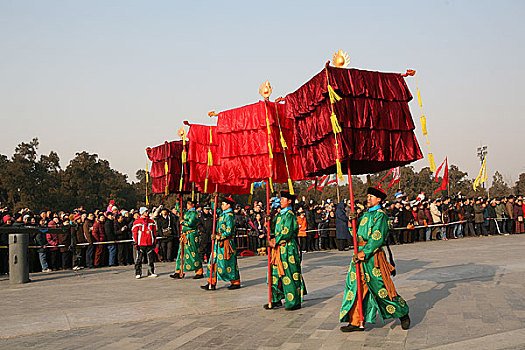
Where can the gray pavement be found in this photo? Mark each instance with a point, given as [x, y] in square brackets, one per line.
[466, 293]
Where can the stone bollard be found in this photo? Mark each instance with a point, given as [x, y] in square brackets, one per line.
[18, 258]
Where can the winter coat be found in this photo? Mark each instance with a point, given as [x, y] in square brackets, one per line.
[119, 234]
[87, 229]
[205, 227]
[109, 230]
[510, 210]
[341, 223]
[436, 214]
[310, 222]
[478, 213]
[501, 211]
[98, 232]
[144, 232]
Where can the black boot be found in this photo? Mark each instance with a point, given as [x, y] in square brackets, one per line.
[351, 328]
[234, 286]
[274, 305]
[176, 276]
[405, 322]
[207, 287]
[198, 277]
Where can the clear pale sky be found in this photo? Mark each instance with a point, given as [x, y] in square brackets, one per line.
[113, 77]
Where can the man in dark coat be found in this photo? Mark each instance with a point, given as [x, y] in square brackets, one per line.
[205, 228]
[109, 230]
[342, 234]
[166, 227]
[310, 228]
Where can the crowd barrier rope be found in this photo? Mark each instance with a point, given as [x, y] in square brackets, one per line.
[241, 238]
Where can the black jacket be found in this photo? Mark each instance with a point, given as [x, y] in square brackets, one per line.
[109, 229]
[205, 227]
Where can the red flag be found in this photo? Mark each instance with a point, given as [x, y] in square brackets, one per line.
[439, 169]
[312, 185]
[444, 183]
[396, 176]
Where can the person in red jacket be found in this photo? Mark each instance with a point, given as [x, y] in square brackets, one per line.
[144, 233]
[99, 235]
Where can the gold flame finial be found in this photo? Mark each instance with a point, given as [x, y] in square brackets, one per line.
[341, 59]
[181, 132]
[265, 90]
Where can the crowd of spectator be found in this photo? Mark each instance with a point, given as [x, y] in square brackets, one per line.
[88, 239]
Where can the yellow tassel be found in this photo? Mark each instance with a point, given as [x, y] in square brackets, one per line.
[283, 141]
[334, 97]
[211, 138]
[205, 185]
[290, 186]
[339, 170]
[424, 124]
[180, 184]
[183, 156]
[432, 162]
[270, 149]
[271, 184]
[335, 124]
[210, 158]
[419, 98]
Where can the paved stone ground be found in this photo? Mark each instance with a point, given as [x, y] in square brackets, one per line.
[462, 294]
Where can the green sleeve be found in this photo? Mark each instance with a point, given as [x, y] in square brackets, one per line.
[191, 220]
[377, 236]
[229, 222]
[289, 228]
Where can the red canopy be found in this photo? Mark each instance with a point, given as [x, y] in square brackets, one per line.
[243, 140]
[168, 153]
[377, 127]
[223, 171]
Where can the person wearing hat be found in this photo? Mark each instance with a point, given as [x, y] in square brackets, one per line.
[378, 290]
[224, 266]
[144, 234]
[286, 279]
[189, 245]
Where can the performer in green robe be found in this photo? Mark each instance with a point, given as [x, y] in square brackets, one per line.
[189, 245]
[224, 265]
[287, 280]
[379, 293]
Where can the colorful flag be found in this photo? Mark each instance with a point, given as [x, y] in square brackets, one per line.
[444, 182]
[482, 176]
[326, 180]
[396, 176]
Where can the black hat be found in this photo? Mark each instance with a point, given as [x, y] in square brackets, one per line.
[288, 195]
[377, 191]
[229, 200]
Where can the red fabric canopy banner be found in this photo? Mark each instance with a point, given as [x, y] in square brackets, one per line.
[223, 174]
[377, 127]
[243, 139]
[169, 153]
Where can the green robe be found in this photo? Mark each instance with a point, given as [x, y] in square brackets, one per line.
[227, 269]
[373, 229]
[192, 258]
[290, 286]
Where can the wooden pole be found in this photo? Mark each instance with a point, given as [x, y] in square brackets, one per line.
[181, 241]
[213, 264]
[269, 249]
[357, 265]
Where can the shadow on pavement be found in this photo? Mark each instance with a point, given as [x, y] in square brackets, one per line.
[447, 277]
